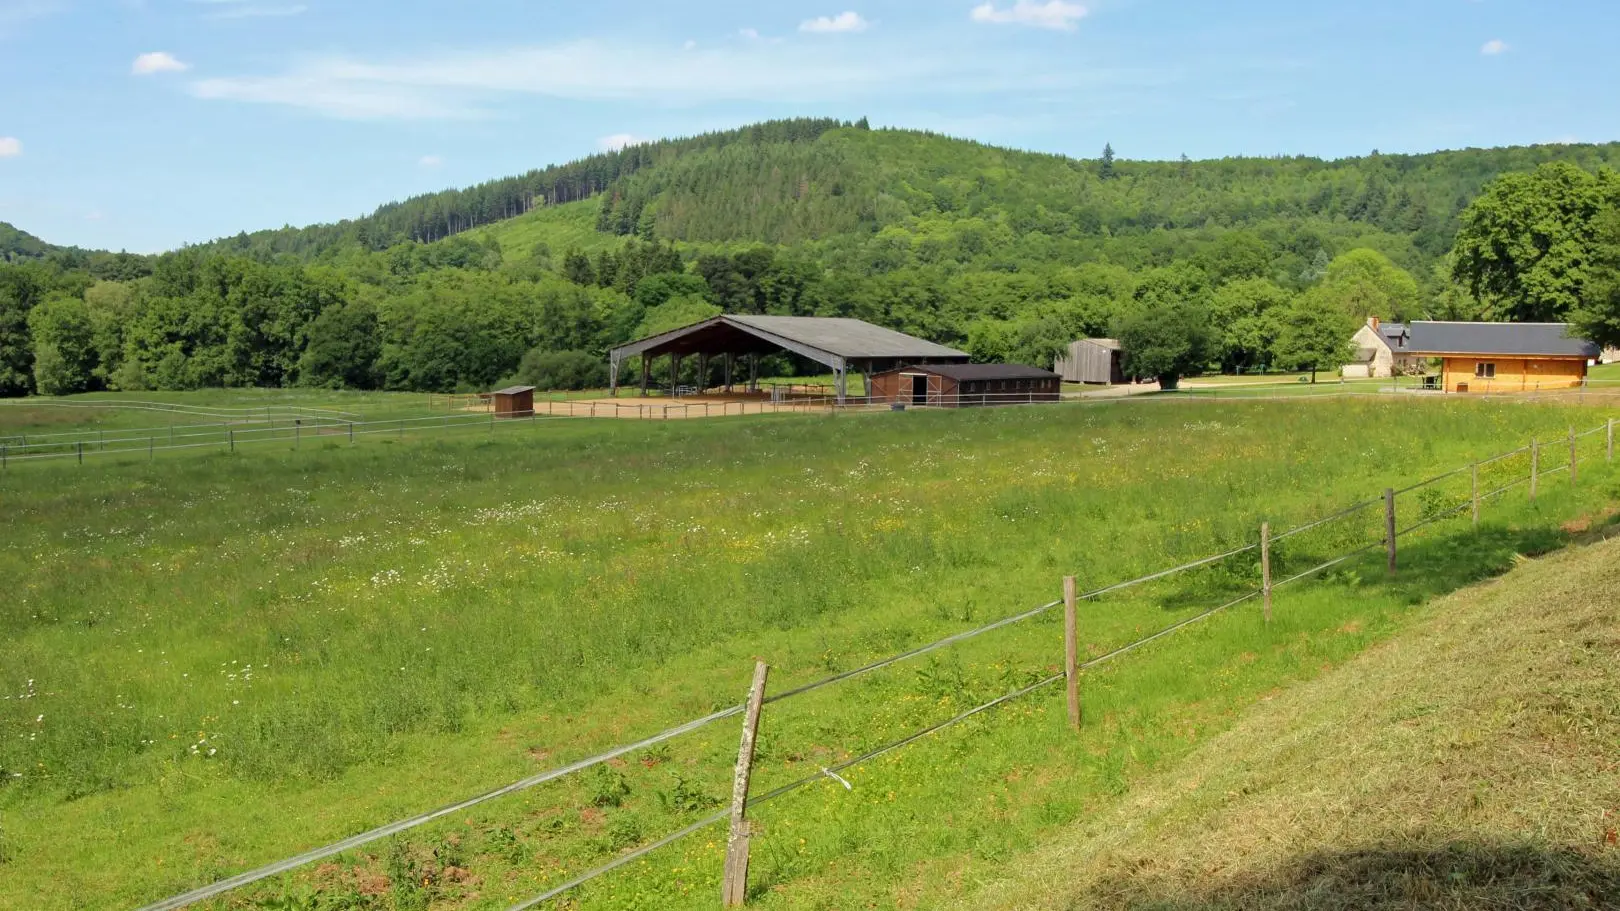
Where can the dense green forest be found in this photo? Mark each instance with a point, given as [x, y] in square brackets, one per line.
[1242, 263]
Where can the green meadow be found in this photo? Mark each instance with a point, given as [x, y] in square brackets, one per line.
[216, 660]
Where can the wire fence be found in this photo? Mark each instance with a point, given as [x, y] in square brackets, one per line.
[1317, 545]
[292, 428]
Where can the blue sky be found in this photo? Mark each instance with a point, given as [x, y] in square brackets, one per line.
[146, 124]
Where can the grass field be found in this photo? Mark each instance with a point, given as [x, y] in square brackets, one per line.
[1417, 775]
[218, 661]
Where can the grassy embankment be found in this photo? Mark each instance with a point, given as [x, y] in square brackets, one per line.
[233, 658]
[1468, 763]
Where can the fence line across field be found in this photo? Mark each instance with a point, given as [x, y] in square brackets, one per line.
[395, 828]
[228, 436]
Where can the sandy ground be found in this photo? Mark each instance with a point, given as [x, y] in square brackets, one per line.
[713, 405]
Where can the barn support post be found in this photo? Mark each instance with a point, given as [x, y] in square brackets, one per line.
[1265, 568]
[753, 371]
[728, 358]
[1574, 458]
[703, 372]
[1389, 525]
[840, 379]
[734, 889]
[1535, 467]
[674, 374]
[1071, 648]
[646, 374]
[613, 374]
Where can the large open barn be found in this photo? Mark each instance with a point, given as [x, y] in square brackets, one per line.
[840, 343]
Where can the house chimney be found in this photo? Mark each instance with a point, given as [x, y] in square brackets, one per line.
[1373, 322]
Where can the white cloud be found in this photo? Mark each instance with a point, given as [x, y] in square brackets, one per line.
[243, 9]
[618, 141]
[10, 147]
[463, 85]
[157, 62]
[94, 215]
[843, 22]
[1054, 14]
[16, 13]
[430, 161]
[752, 34]
[689, 46]
[1494, 47]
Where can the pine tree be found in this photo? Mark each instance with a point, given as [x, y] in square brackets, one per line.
[1106, 171]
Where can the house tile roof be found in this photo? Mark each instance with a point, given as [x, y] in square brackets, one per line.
[1499, 339]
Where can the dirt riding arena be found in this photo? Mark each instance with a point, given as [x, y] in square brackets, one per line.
[665, 408]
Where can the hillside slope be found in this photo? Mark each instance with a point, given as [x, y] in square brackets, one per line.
[1470, 762]
[16, 244]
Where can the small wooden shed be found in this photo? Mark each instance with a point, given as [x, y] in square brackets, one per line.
[1092, 360]
[964, 385]
[514, 402]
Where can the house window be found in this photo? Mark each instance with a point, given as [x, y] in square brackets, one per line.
[1484, 371]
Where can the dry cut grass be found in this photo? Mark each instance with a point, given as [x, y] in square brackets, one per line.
[1472, 762]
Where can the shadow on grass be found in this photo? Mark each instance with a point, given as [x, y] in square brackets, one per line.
[1456, 875]
[1427, 567]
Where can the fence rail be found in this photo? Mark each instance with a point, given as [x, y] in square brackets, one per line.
[1387, 539]
[259, 426]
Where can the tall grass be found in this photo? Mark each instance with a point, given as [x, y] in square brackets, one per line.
[272, 646]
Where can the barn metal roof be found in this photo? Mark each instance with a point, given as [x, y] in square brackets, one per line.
[975, 372]
[825, 339]
[513, 390]
[1499, 339]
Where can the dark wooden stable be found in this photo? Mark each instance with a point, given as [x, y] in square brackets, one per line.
[964, 385]
[514, 402]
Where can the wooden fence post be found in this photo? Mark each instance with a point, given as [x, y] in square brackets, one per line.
[734, 889]
[81, 452]
[1610, 456]
[230, 437]
[1574, 458]
[351, 433]
[149, 448]
[1389, 525]
[1535, 468]
[1071, 648]
[1475, 499]
[1265, 567]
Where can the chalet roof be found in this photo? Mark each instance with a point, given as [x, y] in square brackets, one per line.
[1498, 339]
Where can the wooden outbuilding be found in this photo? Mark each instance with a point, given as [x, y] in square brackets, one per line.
[1504, 357]
[514, 402]
[964, 385]
[1092, 360]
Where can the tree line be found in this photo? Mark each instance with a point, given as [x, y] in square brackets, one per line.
[958, 242]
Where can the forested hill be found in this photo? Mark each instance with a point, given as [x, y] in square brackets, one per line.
[785, 182]
[16, 244]
[1241, 263]
[435, 216]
